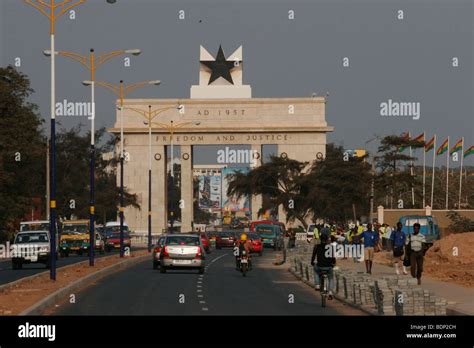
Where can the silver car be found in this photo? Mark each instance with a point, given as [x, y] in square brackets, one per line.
[182, 251]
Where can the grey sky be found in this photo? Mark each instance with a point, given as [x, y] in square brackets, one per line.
[407, 60]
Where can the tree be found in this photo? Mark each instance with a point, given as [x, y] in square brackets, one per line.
[73, 164]
[335, 184]
[278, 180]
[22, 149]
[397, 182]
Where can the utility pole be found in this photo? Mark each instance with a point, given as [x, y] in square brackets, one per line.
[47, 180]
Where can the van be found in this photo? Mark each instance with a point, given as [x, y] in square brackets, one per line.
[428, 226]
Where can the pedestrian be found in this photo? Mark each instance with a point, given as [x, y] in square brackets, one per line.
[325, 231]
[398, 240]
[355, 240]
[386, 234]
[378, 245]
[370, 239]
[416, 243]
[292, 238]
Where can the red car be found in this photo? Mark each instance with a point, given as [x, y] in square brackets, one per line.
[257, 244]
[205, 241]
[225, 239]
[113, 241]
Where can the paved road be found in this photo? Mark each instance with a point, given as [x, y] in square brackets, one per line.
[7, 274]
[221, 290]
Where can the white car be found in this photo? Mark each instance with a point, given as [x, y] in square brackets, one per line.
[182, 251]
[310, 232]
[31, 247]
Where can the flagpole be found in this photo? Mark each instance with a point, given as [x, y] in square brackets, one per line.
[460, 172]
[411, 173]
[424, 171]
[447, 176]
[433, 175]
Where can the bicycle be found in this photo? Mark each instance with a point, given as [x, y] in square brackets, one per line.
[324, 287]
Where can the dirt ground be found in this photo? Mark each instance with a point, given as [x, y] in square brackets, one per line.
[450, 259]
[23, 295]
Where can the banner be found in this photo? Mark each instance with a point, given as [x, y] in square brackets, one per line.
[232, 203]
[209, 192]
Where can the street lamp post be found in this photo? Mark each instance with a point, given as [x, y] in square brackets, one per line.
[149, 115]
[49, 10]
[92, 63]
[171, 128]
[121, 91]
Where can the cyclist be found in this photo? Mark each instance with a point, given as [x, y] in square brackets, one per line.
[323, 263]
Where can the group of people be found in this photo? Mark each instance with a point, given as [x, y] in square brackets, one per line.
[407, 249]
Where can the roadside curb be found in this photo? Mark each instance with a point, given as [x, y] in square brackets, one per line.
[339, 298]
[31, 277]
[51, 299]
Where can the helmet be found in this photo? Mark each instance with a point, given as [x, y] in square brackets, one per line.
[243, 237]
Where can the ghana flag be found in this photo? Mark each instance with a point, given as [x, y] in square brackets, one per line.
[469, 151]
[405, 138]
[430, 144]
[443, 148]
[457, 147]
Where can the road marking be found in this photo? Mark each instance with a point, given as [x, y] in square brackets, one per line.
[205, 309]
[199, 286]
[217, 258]
[199, 290]
[199, 282]
[202, 301]
[200, 295]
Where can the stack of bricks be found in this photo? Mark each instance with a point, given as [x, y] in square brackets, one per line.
[409, 301]
[384, 298]
[366, 292]
[347, 280]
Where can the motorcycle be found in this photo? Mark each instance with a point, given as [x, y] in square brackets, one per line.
[243, 261]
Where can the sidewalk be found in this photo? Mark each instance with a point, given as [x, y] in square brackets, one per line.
[460, 299]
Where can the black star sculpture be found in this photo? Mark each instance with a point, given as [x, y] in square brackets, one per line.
[220, 67]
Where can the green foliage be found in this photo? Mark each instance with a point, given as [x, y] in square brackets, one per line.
[394, 177]
[73, 181]
[334, 185]
[21, 138]
[23, 182]
[278, 180]
[326, 189]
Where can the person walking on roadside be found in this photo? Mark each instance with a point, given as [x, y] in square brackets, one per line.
[398, 240]
[291, 238]
[355, 240]
[386, 237]
[416, 248]
[370, 239]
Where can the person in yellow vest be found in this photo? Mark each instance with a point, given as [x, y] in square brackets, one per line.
[316, 235]
[386, 237]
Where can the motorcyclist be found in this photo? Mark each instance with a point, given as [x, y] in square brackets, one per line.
[243, 244]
